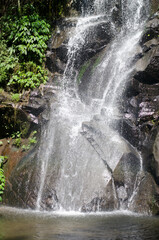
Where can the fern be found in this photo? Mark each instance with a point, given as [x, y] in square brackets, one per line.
[26, 38]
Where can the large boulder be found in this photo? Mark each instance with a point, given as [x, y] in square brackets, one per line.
[124, 177]
[146, 197]
[141, 119]
[24, 176]
[141, 97]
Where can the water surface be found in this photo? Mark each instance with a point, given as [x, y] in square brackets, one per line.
[28, 225]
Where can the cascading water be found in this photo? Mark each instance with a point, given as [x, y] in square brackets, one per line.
[80, 150]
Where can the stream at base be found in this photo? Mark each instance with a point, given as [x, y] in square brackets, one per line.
[29, 225]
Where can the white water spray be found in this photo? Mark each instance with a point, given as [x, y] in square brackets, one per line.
[85, 169]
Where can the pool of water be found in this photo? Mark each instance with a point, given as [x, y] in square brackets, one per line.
[28, 225]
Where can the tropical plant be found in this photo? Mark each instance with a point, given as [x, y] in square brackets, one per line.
[2, 177]
[32, 141]
[28, 76]
[26, 37]
[7, 63]
[17, 138]
[16, 97]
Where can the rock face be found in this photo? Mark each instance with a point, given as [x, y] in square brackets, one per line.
[154, 6]
[130, 185]
[22, 169]
[155, 159]
[22, 184]
[136, 187]
[141, 116]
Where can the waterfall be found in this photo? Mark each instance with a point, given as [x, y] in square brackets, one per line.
[81, 148]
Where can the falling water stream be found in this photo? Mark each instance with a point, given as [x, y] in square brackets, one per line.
[80, 149]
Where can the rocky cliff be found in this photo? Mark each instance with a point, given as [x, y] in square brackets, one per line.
[140, 107]
[138, 125]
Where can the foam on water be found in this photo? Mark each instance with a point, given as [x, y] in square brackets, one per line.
[6, 211]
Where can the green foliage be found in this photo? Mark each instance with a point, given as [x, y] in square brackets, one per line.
[17, 138]
[1, 90]
[2, 177]
[82, 71]
[32, 141]
[96, 63]
[17, 142]
[25, 147]
[50, 9]
[28, 76]
[7, 63]
[22, 51]
[28, 36]
[16, 97]
[16, 135]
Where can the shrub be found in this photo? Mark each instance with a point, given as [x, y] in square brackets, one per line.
[2, 177]
[7, 63]
[16, 97]
[28, 36]
[32, 141]
[25, 37]
[28, 76]
[17, 138]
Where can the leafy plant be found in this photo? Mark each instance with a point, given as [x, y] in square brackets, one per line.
[51, 9]
[16, 97]
[7, 63]
[25, 37]
[32, 141]
[1, 91]
[28, 76]
[28, 36]
[25, 147]
[2, 177]
[17, 138]
[96, 63]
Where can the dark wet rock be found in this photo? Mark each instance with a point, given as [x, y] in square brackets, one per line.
[150, 75]
[116, 14]
[140, 122]
[35, 106]
[141, 102]
[99, 36]
[38, 106]
[56, 56]
[93, 206]
[124, 177]
[151, 30]
[108, 202]
[95, 39]
[53, 63]
[138, 126]
[13, 118]
[155, 159]
[146, 197]
[128, 129]
[126, 170]
[23, 183]
[50, 201]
